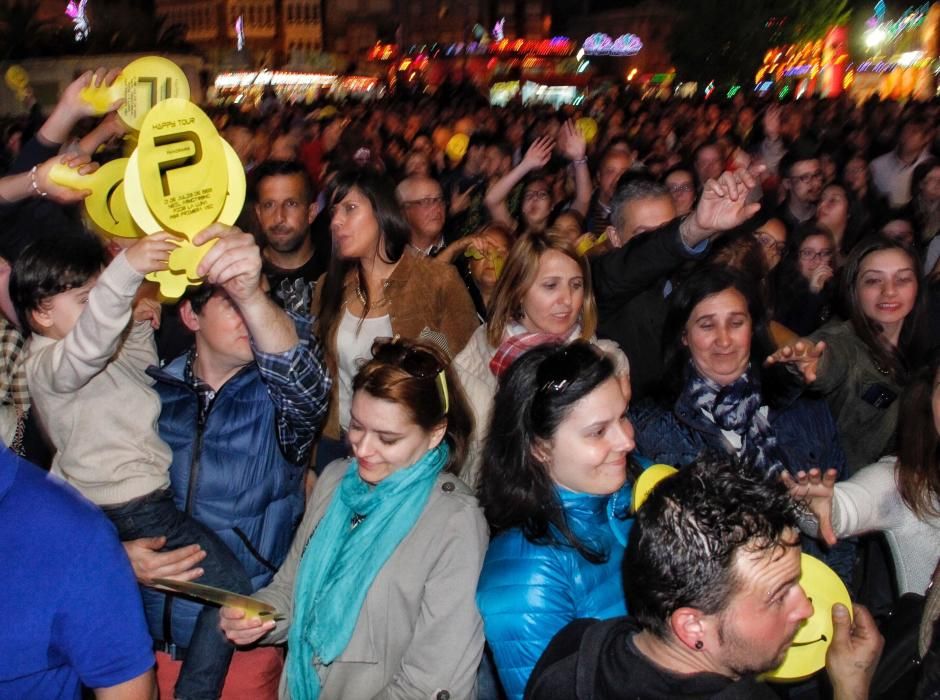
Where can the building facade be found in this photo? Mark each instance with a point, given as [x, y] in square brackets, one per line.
[249, 32]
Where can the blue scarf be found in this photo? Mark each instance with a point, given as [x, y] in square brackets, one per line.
[736, 409]
[362, 527]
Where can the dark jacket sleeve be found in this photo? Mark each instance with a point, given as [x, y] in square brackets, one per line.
[648, 259]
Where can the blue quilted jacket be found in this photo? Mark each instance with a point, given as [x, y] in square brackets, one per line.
[528, 592]
[232, 476]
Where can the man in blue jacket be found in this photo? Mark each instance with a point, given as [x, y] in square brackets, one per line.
[240, 413]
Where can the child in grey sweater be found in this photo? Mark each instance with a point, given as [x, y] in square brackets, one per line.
[86, 362]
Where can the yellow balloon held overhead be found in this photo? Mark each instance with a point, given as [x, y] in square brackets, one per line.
[651, 476]
[182, 166]
[807, 653]
[587, 127]
[457, 147]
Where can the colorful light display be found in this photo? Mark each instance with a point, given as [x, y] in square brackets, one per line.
[601, 44]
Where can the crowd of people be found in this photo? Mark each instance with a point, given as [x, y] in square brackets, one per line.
[407, 403]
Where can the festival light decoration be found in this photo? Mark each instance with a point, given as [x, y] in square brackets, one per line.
[76, 11]
[600, 44]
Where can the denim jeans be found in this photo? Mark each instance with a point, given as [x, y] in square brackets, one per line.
[209, 652]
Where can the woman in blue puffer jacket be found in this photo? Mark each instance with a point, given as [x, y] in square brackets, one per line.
[553, 489]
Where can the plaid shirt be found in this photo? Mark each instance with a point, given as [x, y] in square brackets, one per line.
[297, 382]
[14, 392]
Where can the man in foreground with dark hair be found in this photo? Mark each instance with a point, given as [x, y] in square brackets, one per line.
[712, 574]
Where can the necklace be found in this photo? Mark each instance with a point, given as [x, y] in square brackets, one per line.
[361, 296]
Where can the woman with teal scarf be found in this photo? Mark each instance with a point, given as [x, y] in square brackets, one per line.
[378, 588]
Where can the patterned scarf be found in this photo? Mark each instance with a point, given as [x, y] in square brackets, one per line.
[362, 527]
[517, 340]
[735, 408]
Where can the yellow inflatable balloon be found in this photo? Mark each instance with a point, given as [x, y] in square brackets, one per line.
[651, 476]
[587, 127]
[457, 146]
[16, 78]
[807, 653]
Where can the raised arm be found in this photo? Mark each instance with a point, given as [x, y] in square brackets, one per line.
[287, 352]
[539, 153]
[573, 146]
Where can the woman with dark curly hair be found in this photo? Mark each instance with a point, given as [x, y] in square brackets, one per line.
[553, 492]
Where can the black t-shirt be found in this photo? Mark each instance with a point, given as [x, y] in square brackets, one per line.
[608, 666]
[292, 290]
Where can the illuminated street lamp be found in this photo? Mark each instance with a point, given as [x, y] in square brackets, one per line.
[875, 37]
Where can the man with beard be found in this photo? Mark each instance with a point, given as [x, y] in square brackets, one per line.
[285, 208]
[712, 577]
[802, 178]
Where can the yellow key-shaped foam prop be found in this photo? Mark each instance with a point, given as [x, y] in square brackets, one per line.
[185, 259]
[106, 206]
[142, 84]
[182, 166]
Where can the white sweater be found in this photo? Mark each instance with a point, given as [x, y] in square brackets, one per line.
[870, 501]
[94, 399]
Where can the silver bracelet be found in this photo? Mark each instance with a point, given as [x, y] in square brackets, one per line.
[579, 161]
[34, 184]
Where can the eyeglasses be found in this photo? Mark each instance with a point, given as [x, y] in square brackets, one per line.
[809, 255]
[426, 202]
[676, 189]
[808, 177]
[535, 194]
[771, 243]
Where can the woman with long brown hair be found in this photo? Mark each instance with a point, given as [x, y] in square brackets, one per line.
[376, 286]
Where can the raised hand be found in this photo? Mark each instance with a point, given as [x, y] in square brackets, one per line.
[815, 490]
[804, 354]
[772, 122]
[152, 253]
[59, 193]
[539, 153]
[571, 143]
[233, 263]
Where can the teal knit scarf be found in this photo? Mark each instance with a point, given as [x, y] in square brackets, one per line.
[362, 527]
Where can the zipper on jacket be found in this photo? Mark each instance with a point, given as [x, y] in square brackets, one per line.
[194, 469]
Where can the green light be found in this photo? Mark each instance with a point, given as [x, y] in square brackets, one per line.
[785, 91]
[735, 89]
